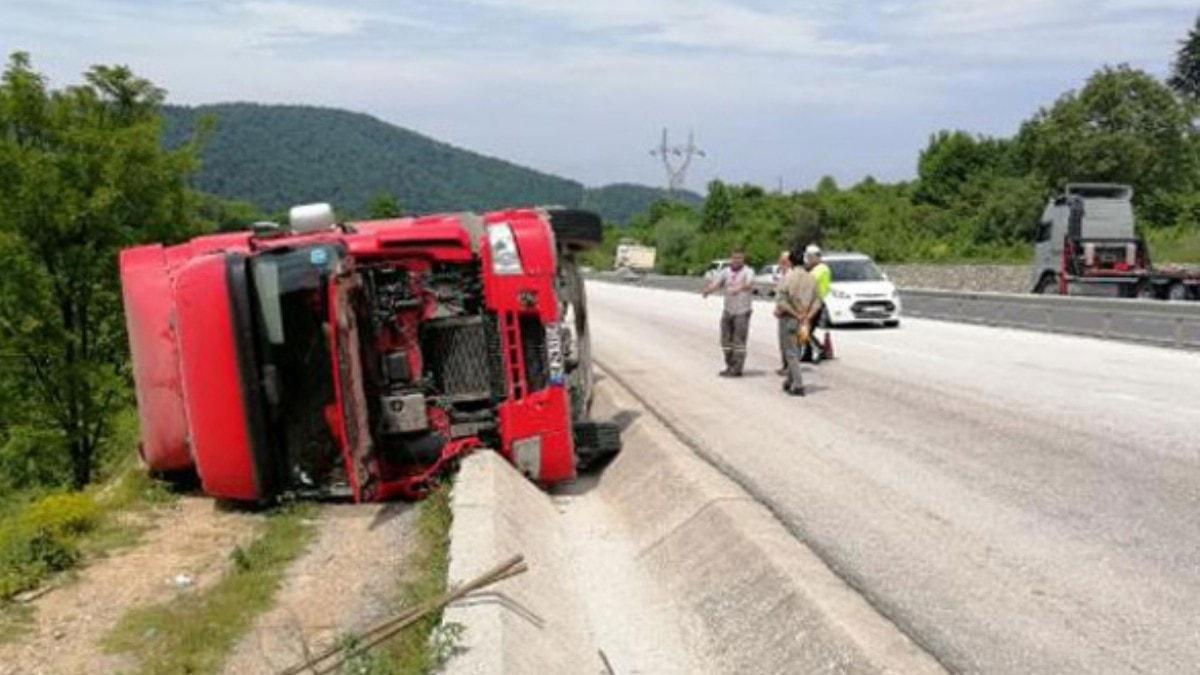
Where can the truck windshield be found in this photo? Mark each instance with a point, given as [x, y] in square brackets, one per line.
[291, 313]
[854, 270]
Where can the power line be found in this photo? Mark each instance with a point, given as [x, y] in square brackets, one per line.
[676, 160]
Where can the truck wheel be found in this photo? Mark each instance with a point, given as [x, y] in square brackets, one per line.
[1177, 292]
[1146, 291]
[576, 228]
[595, 441]
[1046, 284]
[573, 314]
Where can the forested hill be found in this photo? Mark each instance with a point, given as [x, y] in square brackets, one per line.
[275, 156]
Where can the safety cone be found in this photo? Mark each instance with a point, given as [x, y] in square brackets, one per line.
[828, 346]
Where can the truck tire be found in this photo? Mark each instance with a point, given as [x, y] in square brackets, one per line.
[1146, 291]
[1177, 292]
[576, 228]
[1047, 284]
[573, 313]
[595, 441]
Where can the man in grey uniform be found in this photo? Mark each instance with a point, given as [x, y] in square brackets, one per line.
[736, 282]
[785, 336]
[796, 306]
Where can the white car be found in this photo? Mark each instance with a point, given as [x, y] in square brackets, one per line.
[714, 268]
[860, 292]
[766, 281]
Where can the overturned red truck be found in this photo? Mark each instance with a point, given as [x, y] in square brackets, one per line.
[359, 360]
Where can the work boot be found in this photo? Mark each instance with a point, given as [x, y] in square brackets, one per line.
[799, 391]
[781, 371]
[725, 373]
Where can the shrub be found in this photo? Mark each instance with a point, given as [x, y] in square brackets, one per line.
[42, 539]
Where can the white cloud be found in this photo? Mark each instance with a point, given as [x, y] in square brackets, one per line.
[800, 88]
[707, 24]
[281, 17]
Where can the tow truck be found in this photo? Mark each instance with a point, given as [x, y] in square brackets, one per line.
[360, 360]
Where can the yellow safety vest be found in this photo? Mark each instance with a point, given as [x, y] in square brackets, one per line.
[824, 277]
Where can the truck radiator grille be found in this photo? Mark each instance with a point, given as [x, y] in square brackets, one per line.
[462, 356]
[533, 344]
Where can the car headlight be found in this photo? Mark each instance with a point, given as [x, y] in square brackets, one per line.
[506, 260]
[840, 295]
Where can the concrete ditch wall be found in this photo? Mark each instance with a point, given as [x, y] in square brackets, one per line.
[746, 596]
[531, 623]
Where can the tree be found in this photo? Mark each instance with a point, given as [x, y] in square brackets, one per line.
[1123, 126]
[950, 160]
[1185, 72]
[718, 208]
[384, 205]
[82, 174]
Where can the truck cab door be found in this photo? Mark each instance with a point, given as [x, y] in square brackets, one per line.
[219, 373]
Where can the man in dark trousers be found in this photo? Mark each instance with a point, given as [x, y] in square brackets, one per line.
[736, 282]
[797, 306]
[785, 266]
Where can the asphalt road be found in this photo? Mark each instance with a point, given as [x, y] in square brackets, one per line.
[1015, 502]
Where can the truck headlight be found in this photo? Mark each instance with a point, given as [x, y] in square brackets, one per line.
[506, 260]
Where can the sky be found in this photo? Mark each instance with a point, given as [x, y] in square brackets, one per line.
[774, 91]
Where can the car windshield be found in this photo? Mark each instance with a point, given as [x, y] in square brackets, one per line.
[854, 270]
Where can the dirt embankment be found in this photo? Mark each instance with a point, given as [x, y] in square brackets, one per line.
[346, 582]
[185, 550]
[347, 579]
[985, 278]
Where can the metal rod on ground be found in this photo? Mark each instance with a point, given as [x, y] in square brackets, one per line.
[388, 628]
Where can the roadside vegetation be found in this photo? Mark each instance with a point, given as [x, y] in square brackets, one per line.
[427, 644]
[195, 632]
[44, 533]
[975, 198]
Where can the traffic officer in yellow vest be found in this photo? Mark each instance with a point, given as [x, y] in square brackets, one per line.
[824, 278]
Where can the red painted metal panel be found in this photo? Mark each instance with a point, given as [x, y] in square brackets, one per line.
[149, 317]
[212, 381]
[545, 413]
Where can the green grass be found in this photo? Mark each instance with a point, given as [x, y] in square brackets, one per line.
[1174, 245]
[194, 633]
[424, 646]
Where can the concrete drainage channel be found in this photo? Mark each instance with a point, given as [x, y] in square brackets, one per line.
[658, 564]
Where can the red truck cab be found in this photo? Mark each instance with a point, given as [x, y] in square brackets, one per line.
[361, 359]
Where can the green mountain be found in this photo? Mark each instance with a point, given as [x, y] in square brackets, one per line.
[275, 156]
[620, 202]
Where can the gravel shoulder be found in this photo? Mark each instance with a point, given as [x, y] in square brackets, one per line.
[346, 581]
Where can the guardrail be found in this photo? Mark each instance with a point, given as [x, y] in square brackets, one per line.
[1170, 324]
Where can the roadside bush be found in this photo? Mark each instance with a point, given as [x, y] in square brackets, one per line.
[67, 514]
[43, 538]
